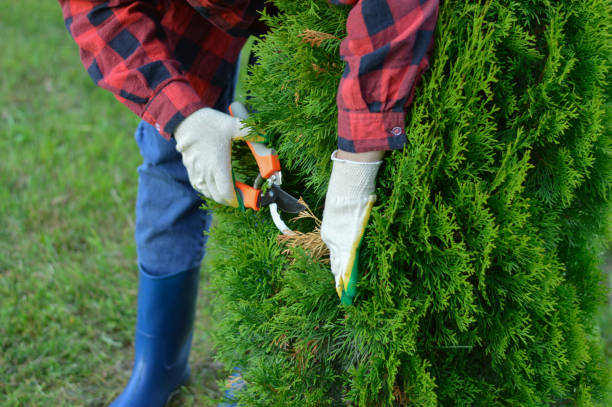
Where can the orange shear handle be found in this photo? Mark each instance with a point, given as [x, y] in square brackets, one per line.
[248, 195]
[267, 159]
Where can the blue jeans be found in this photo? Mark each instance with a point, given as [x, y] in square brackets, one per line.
[170, 224]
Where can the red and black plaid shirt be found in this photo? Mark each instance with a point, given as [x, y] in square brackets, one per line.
[167, 59]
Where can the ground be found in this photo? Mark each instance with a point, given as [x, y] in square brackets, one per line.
[68, 278]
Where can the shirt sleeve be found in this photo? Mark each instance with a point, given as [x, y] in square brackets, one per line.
[123, 49]
[386, 50]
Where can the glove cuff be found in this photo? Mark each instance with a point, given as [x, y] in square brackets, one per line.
[352, 179]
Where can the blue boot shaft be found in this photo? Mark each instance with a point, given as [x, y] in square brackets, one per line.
[164, 330]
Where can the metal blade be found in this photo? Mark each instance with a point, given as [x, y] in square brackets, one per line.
[285, 202]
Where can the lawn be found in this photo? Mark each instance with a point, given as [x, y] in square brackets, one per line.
[68, 277]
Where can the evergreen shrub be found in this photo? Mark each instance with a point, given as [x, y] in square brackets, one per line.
[479, 271]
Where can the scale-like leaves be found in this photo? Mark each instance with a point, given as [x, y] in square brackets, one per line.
[479, 272]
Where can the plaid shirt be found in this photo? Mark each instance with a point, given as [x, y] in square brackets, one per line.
[166, 59]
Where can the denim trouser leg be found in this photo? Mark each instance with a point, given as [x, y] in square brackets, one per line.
[169, 222]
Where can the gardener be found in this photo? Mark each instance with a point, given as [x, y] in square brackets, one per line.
[173, 64]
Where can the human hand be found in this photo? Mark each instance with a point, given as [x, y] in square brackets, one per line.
[204, 139]
[348, 203]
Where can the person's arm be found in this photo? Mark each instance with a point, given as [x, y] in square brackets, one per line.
[385, 50]
[123, 48]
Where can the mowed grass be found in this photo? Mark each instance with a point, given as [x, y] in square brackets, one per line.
[68, 279]
[68, 276]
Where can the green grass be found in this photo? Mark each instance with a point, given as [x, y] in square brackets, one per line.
[68, 279]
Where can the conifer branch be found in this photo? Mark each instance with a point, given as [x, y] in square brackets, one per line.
[486, 233]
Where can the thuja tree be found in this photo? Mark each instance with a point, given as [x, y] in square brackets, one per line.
[479, 271]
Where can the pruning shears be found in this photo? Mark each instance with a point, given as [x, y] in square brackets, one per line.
[255, 197]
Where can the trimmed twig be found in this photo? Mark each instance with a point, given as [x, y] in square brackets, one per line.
[310, 241]
[315, 38]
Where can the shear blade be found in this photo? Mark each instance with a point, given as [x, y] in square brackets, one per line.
[282, 199]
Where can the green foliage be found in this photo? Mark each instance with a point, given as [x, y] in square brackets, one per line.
[480, 279]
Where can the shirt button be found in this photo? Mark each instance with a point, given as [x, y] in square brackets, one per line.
[396, 131]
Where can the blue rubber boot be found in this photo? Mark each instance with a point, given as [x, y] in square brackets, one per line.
[164, 329]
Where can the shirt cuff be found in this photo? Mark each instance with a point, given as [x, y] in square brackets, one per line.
[360, 132]
[171, 105]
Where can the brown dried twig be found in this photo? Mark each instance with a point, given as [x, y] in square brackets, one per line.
[315, 38]
[310, 241]
[317, 68]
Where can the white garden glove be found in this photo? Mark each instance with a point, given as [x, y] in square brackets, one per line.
[204, 139]
[348, 203]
